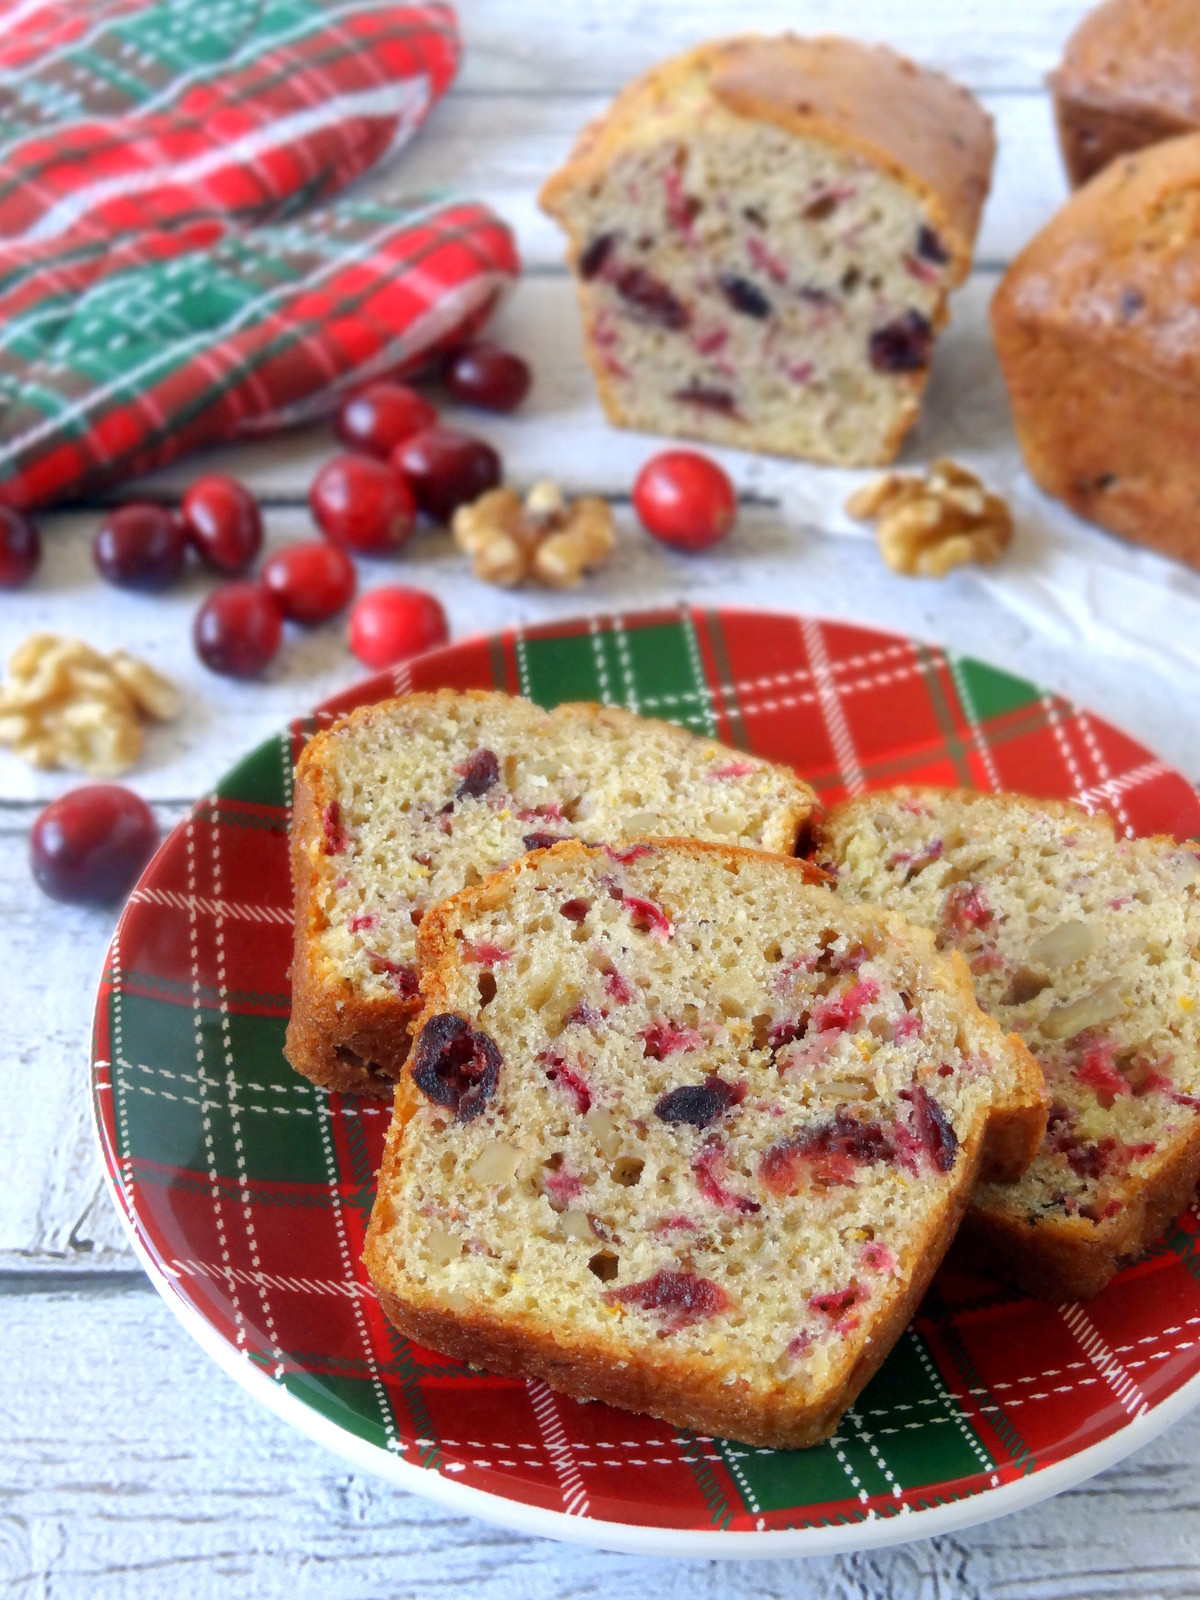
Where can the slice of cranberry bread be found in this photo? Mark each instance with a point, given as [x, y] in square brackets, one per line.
[764, 233]
[1085, 945]
[403, 803]
[684, 1133]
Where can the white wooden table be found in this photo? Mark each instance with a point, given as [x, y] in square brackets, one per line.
[130, 1466]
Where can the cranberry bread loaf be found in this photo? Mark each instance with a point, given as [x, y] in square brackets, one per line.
[1129, 77]
[1086, 946]
[764, 233]
[403, 803]
[1097, 326]
[683, 1133]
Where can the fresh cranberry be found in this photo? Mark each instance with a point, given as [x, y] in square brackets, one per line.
[238, 629]
[485, 375]
[140, 546]
[90, 845]
[310, 581]
[20, 548]
[685, 500]
[446, 469]
[391, 623]
[381, 416]
[362, 503]
[224, 523]
[680, 1297]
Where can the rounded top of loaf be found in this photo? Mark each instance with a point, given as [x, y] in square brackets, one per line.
[1119, 265]
[916, 124]
[1136, 53]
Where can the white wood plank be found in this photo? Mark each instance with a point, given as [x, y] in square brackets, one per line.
[159, 1478]
[500, 148]
[528, 44]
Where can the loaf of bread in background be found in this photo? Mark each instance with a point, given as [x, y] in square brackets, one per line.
[764, 232]
[1097, 327]
[1087, 946]
[1129, 77]
[683, 1132]
[409, 800]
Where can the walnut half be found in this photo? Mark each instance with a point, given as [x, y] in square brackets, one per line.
[928, 526]
[543, 537]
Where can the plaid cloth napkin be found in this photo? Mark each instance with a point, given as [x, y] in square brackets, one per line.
[121, 114]
[116, 358]
[142, 315]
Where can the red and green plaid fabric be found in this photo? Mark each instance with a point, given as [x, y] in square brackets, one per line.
[117, 117]
[250, 1189]
[118, 357]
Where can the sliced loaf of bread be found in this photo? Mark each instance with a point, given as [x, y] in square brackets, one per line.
[683, 1132]
[1086, 945]
[407, 801]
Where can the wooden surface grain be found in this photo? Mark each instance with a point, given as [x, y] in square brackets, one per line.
[132, 1465]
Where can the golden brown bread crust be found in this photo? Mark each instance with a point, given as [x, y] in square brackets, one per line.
[336, 1036]
[1129, 77]
[784, 1422]
[678, 1391]
[1097, 327]
[927, 131]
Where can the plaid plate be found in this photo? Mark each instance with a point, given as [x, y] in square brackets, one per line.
[120, 116]
[251, 1189]
[118, 357]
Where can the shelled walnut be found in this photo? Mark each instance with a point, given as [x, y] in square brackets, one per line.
[64, 704]
[543, 537]
[927, 526]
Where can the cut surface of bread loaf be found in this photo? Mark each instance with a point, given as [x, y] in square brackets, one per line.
[407, 801]
[764, 233]
[1085, 945]
[683, 1132]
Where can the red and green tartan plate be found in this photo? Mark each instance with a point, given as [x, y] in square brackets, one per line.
[247, 1191]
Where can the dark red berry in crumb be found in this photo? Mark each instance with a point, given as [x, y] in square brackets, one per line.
[222, 519]
[478, 772]
[90, 845]
[722, 401]
[574, 910]
[455, 1066]
[363, 504]
[698, 1103]
[446, 469]
[595, 254]
[541, 841]
[743, 295]
[685, 500]
[487, 375]
[390, 624]
[651, 300]
[20, 548]
[311, 581]
[381, 416]
[140, 546]
[680, 1297]
[903, 345]
[238, 629]
[929, 1128]
[930, 246]
[830, 1151]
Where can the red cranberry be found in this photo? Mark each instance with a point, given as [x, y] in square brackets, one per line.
[310, 581]
[390, 624]
[362, 503]
[447, 469]
[382, 416]
[685, 500]
[238, 629]
[91, 844]
[485, 375]
[223, 522]
[20, 548]
[140, 546]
